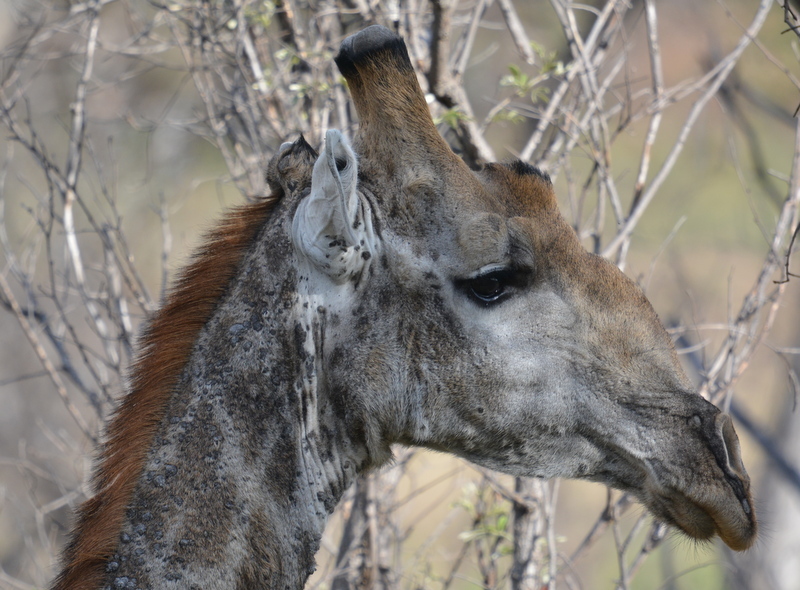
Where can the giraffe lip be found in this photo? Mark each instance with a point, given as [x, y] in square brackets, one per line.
[713, 500]
[737, 533]
[707, 491]
[708, 515]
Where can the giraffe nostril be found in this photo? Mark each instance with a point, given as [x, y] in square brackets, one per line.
[731, 444]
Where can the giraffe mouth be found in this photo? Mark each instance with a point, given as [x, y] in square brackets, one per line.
[703, 518]
[714, 501]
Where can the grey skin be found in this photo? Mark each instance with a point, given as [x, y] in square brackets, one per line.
[393, 295]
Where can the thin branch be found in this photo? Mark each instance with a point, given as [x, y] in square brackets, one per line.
[591, 46]
[30, 334]
[658, 90]
[468, 39]
[725, 66]
[448, 88]
[790, 18]
[516, 29]
[789, 248]
[771, 448]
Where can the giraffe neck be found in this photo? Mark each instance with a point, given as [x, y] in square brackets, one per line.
[252, 454]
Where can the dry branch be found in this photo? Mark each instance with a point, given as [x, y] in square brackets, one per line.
[261, 73]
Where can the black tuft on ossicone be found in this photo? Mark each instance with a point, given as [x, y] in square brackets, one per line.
[302, 146]
[525, 169]
[368, 43]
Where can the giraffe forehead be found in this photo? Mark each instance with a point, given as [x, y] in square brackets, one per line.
[493, 216]
[514, 216]
[518, 189]
[483, 239]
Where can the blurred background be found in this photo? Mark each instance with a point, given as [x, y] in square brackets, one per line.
[669, 128]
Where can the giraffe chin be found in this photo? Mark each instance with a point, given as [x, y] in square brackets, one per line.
[712, 513]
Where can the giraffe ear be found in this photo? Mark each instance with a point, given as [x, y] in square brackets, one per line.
[332, 226]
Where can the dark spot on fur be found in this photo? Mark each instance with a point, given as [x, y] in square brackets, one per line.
[525, 169]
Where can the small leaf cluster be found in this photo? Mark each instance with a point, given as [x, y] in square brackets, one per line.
[531, 85]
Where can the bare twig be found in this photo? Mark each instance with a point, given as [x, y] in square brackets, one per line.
[529, 532]
[789, 248]
[253, 74]
[590, 46]
[516, 29]
[658, 90]
[41, 354]
[724, 67]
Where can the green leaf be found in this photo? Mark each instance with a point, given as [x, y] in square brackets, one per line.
[452, 118]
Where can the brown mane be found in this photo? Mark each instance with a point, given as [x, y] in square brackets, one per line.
[165, 347]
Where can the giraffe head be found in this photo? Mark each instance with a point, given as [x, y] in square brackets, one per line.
[463, 315]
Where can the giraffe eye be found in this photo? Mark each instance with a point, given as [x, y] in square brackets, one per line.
[488, 288]
[491, 287]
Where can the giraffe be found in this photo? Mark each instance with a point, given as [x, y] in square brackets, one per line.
[387, 294]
